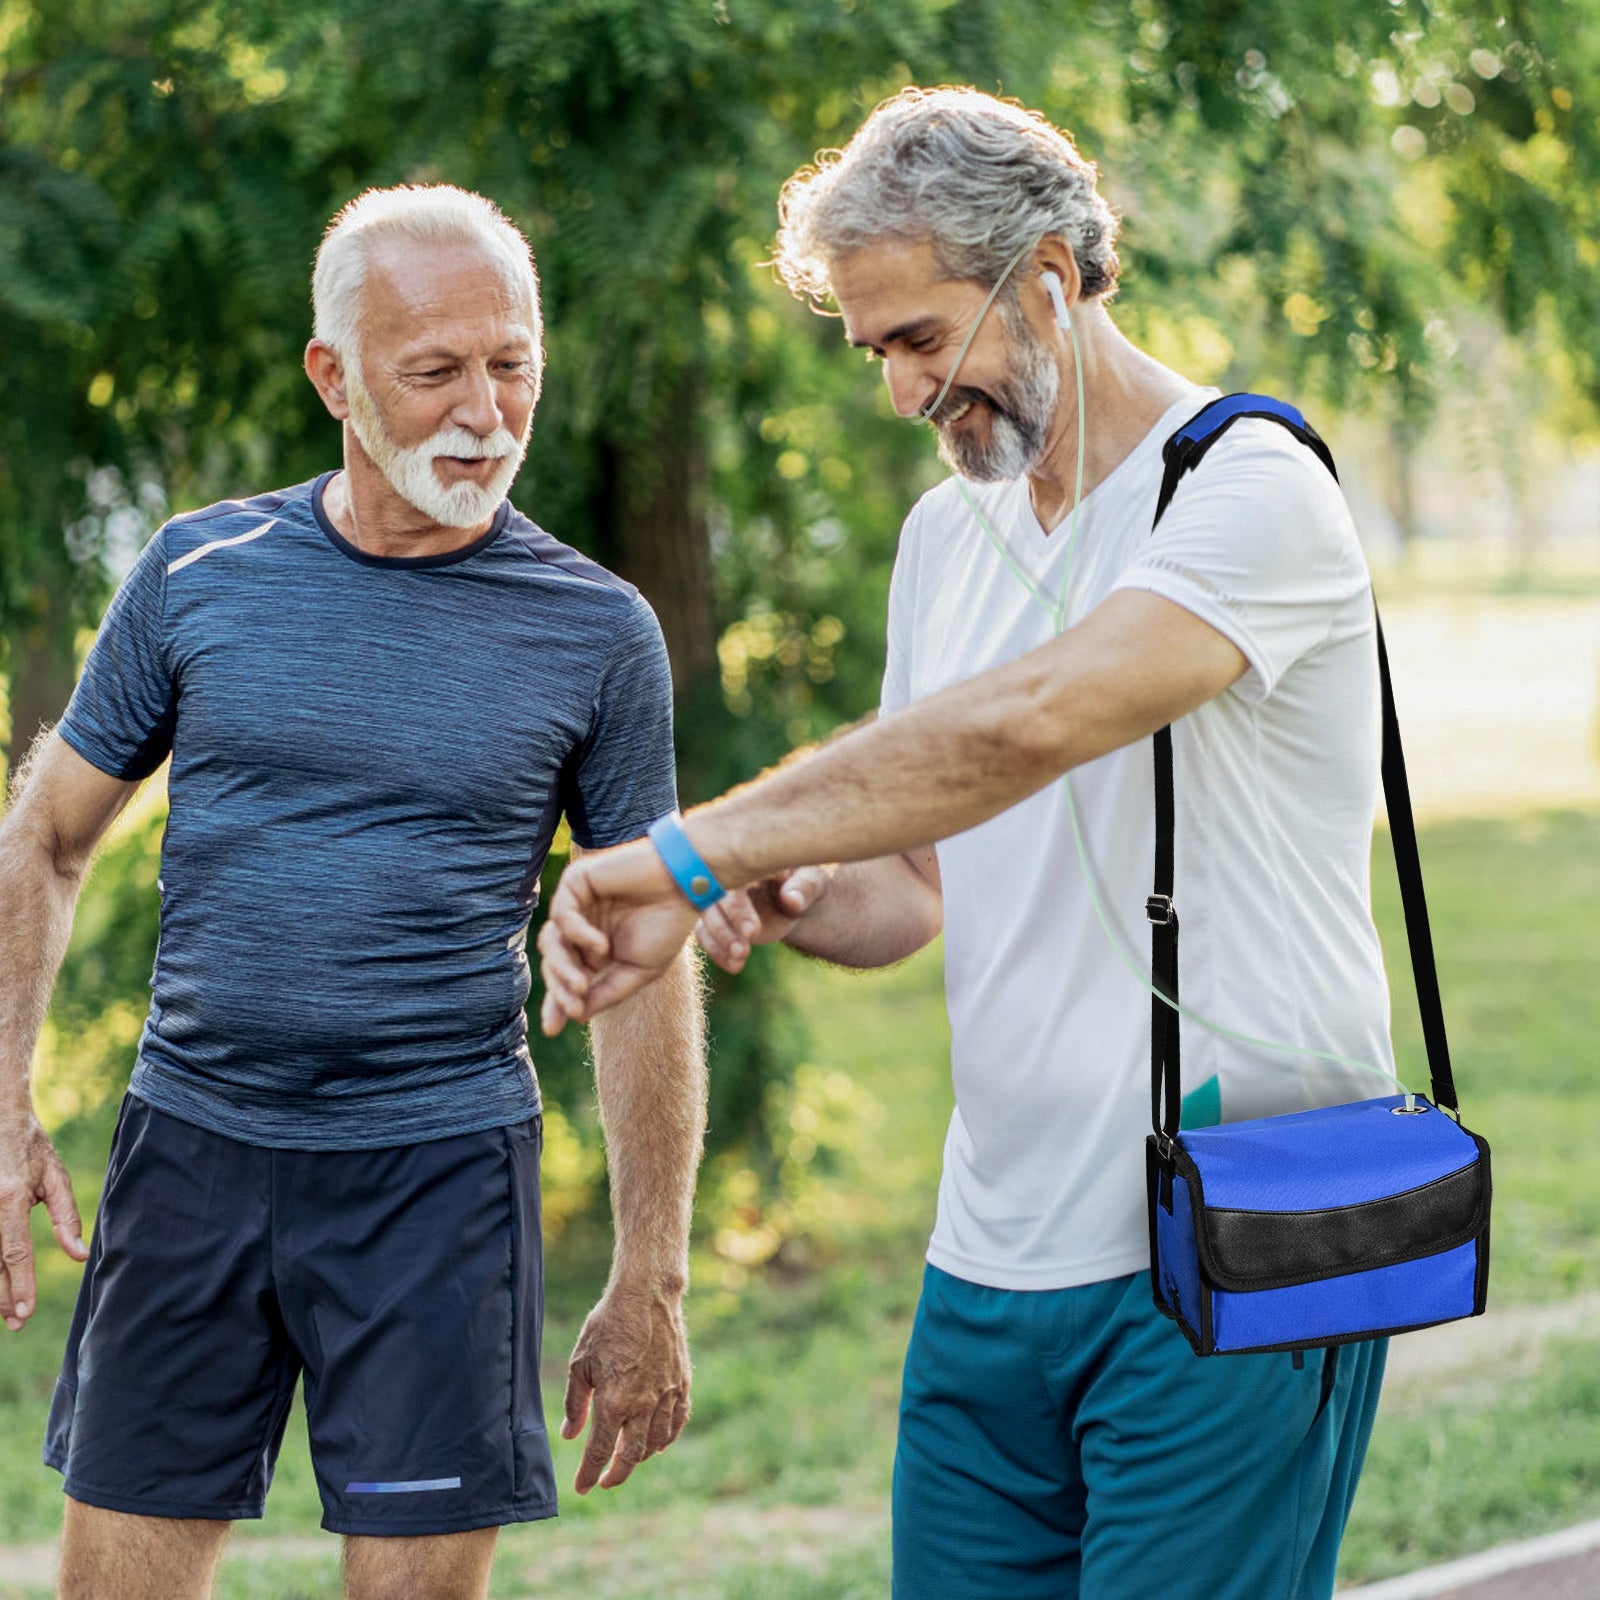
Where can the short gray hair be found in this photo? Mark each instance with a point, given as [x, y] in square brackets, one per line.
[424, 214]
[978, 178]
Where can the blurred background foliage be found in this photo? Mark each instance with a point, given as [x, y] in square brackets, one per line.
[1351, 201]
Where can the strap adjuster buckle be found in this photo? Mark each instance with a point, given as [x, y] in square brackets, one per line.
[1159, 909]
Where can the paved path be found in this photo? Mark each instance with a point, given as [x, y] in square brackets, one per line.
[1560, 1566]
[1499, 702]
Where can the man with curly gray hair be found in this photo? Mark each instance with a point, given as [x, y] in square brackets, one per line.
[977, 183]
[1057, 1437]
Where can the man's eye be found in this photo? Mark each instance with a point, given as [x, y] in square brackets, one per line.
[924, 344]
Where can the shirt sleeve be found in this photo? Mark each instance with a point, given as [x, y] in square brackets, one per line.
[1259, 543]
[122, 714]
[623, 777]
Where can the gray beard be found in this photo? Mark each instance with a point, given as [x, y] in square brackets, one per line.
[408, 470]
[1020, 412]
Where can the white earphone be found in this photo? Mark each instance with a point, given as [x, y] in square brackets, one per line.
[1058, 298]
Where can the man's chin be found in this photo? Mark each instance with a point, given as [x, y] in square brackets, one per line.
[1001, 458]
[454, 511]
[980, 466]
[461, 505]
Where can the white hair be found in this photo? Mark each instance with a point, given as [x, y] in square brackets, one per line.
[423, 214]
[980, 179]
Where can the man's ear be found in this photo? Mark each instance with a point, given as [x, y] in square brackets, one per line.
[1054, 254]
[326, 372]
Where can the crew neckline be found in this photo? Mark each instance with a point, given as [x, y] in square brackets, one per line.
[444, 558]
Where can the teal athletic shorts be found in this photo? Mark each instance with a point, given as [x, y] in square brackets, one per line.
[1067, 1445]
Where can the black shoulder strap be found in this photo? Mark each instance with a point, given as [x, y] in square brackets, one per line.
[1182, 453]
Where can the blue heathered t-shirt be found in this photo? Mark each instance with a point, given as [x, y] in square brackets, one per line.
[370, 757]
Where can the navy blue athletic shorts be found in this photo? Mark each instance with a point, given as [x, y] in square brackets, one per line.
[404, 1285]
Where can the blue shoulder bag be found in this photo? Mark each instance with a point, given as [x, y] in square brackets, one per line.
[1318, 1227]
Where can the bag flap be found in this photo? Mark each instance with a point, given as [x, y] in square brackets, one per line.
[1331, 1156]
[1243, 1249]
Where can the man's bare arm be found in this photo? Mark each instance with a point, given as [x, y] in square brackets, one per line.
[863, 914]
[61, 808]
[934, 769]
[947, 763]
[632, 1358]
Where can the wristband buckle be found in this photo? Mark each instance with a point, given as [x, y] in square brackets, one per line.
[697, 881]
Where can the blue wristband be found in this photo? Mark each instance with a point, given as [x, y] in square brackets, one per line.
[682, 860]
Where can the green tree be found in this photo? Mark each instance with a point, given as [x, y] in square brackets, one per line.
[1311, 192]
[172, 166]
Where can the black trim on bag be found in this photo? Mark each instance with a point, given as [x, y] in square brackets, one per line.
[1271, 1249]
[1480, 1287]
[1340, 1240]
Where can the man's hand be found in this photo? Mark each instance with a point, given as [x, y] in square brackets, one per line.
[763, 914]
[31, 1173]
[616, 922]
[632, 1362]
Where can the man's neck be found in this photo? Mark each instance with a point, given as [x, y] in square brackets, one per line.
[362, 505]
[1125, 392]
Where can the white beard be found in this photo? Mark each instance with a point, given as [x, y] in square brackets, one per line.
[409, 469]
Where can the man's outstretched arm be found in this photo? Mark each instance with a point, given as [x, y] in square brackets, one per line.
[631, 1362]
[61, 808]
[943, 765]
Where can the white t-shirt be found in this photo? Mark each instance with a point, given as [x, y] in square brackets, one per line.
[1276, 784]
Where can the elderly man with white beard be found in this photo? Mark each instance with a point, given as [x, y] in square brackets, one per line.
[380, 691]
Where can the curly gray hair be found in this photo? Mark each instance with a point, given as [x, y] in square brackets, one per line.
[978, 178]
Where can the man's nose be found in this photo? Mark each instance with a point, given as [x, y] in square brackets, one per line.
[911, 385]
[476, 406]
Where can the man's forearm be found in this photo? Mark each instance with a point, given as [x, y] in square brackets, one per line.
[932, 770]
[46, 840]
[873, 914]
[60, 809]
[649, 1060]
[631, 1362]
[957, 758]
[37, 897]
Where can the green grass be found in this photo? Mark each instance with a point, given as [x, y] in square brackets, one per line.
[1511, 903]
[779, 1489]
[1467, 1465]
